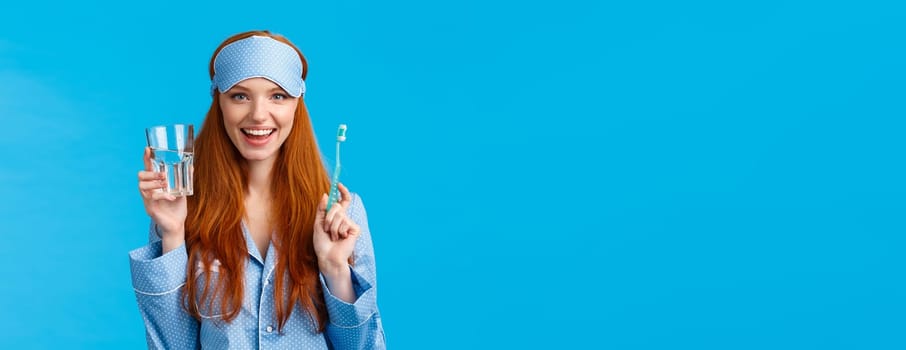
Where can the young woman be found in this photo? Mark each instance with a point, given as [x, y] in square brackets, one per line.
[253, 259]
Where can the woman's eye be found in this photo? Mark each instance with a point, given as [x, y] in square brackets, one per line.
[279, 96]
[239, 97]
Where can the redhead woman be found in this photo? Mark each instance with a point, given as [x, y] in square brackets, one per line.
[253, 259]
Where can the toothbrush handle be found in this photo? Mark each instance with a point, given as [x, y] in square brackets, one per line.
[334, 192]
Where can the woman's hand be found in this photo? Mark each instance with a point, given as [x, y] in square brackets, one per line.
[335, 234]
[168, 211]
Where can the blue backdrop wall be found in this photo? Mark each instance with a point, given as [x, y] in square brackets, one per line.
[562, 174]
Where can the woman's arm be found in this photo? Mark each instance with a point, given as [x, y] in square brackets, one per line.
[356, 324]
[158, 279]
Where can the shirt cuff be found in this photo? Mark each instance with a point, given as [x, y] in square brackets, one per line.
[156, 274]
[346, 315]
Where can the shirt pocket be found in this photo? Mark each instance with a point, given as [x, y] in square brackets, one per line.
[208, 308]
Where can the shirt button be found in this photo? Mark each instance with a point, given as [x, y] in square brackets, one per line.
[269, 329]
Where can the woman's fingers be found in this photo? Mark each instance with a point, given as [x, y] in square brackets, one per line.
[349, 229]
[329, 221]
[150, 175]
[343, 230]
[345, 197]
[331, 216]
[343, 227]
[330, 235]
[151, 185]
[336, 223]
[148, 180]
[147, 159]
[322, 205]
[159, 195]
[335, 226]
[354, 228]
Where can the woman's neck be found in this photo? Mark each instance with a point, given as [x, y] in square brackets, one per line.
[258, 204]
[259, 179]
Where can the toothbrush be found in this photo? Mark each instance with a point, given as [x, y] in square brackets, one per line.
[334, 192]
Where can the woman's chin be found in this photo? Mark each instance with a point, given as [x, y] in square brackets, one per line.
[258, 155]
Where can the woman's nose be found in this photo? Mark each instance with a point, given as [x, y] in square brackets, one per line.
[259, 112]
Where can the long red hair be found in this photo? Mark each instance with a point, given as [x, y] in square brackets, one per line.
[215, 212]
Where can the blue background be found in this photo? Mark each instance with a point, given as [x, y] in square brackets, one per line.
[644, 175]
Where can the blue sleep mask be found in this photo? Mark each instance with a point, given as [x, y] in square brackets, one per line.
[258, 57]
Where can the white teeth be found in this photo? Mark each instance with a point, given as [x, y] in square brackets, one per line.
[258, 132]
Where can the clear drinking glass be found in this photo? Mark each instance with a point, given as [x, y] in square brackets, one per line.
[172, 151]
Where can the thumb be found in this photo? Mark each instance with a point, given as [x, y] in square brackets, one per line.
[147, 158]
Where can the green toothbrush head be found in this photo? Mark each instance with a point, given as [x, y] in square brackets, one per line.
[341, 133]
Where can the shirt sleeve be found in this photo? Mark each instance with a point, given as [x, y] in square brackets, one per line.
[357, 325]
[157, 279]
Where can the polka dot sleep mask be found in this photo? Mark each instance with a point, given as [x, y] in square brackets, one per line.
[258, 57]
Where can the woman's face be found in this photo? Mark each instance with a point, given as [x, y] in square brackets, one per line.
[258, 116]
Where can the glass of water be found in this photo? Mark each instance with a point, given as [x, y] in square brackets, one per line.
[172, 151]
